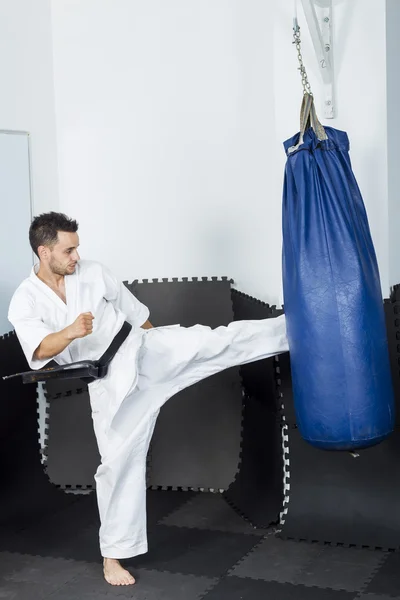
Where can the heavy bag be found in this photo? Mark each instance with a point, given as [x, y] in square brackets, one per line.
[332, 295]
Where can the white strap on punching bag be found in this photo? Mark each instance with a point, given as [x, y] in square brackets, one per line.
[308, 115]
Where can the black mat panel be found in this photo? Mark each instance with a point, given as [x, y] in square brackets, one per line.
[258, 377]
[236, 588]
[395, 293]
[210, 511]
[210, 410]
[196, 442]
[386, 580]
[186, 302]
[193, 551]
[71, 450]
[311, 565]
[257, 492]
[15, 397]
[284, 380]
[73, 530]
[337, 498]
[162, 503]
[392, 314]
[198, 549]
[26, 494]
[377, 597]
[151, 585]
[58, 387]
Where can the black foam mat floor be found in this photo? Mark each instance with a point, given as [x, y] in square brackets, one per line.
[198, 548]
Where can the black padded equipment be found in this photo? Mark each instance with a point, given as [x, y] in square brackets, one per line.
[87, 370]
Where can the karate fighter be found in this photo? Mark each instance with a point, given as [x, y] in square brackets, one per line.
[70, 309]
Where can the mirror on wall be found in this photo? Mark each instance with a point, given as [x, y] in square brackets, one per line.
[16, 258]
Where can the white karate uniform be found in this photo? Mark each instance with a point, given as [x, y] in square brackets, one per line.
[150, 367]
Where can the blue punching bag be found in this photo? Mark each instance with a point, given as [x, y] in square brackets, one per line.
[332, 295]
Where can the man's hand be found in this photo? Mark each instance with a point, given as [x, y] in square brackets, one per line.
[81, 327]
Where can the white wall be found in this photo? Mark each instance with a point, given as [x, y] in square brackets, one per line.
[393, 113]
[360, 71]
[166, 137]
[171, 118]
[27, 89]
[15, 193]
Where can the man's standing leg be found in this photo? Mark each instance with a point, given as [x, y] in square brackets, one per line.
[121, 484]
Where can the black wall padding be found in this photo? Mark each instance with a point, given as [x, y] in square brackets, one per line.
[72, 453]
[256, 376]
[340, 499]
[284, 378]
[392, 314]
[196, 442]
[186, 302]
[26, 494]
[15, 397]
[257, 492]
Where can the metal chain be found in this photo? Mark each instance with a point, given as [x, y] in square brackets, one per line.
[302, 69]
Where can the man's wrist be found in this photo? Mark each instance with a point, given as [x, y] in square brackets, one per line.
[68, 334]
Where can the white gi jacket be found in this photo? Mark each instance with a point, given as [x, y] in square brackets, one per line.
[36, 311]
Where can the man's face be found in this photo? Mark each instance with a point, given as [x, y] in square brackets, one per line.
[64, 255]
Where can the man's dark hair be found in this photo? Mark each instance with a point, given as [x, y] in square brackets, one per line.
[44, 229]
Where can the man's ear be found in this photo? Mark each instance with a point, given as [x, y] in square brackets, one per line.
[43, 252]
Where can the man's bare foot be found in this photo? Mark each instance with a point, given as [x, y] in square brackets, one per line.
[115, 574]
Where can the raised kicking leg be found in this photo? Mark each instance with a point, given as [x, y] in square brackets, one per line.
[172, 358]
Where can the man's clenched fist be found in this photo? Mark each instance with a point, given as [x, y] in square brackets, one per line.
[82, 326]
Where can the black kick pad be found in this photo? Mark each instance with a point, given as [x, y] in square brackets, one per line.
[26, 494]
[338, 498]
[196, 442]
[257, 492]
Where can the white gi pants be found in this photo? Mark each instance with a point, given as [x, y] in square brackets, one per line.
[171, 359]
